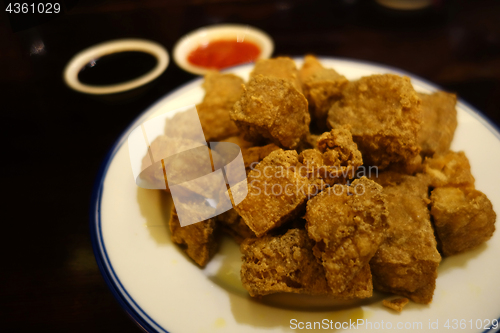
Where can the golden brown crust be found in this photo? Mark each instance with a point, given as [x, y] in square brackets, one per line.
[348, 225]
[439, 121]
[281, 264]
[339, 150]
[215, 121]
[396, 304]
[409, 167]
[322, 87]
[450, 169]
[383, 112]
[286, 263]
[280, 68]
[463, 218]
[221, 89]
[274, 109]
[197, 239]
[221, 92]
[361, 286]
[336, 159]
[276, 192]
[406, 263]
[417, 185]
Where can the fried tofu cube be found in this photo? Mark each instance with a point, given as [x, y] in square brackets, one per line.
[340, 151]
[313, 164]
[221, 92]
[407, 261]
[280, 68]
[286, 263]
[273, 109]
[416, 185]
[281, 264]
[232, 224]
[439, 121]
[336, 159]
[463, 218]
[197, 239]
[222, 89]
[322, 87]
[450, 169]
[384, 115]
[215, 121]
[277, 193]
[348, 225]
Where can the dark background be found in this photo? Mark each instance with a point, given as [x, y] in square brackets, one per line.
[54, 139]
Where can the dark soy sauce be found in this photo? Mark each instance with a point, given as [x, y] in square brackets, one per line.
[117, 68]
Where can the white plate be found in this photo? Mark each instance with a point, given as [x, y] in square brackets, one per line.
[164, 291]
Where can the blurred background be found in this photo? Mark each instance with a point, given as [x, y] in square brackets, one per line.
[54, 139]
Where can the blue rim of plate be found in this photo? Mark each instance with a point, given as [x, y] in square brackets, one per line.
[133, 310]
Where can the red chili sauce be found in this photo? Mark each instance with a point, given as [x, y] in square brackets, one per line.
[220, 54]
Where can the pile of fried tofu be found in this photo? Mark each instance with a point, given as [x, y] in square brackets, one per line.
[352, 186]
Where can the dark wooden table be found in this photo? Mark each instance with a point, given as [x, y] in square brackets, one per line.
[54, 139]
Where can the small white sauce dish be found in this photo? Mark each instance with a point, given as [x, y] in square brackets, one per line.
[70, 74]
[205, 35]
